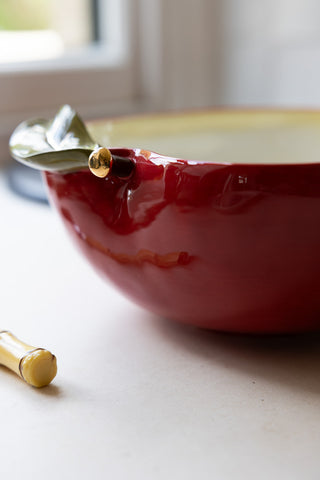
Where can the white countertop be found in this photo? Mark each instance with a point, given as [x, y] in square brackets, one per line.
[138, 397]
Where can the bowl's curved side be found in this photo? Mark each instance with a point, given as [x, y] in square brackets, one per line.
[227, 247]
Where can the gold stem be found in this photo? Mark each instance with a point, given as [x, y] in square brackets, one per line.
[100, 162]
[36, 366]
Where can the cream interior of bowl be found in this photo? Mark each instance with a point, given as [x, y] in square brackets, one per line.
[271, 137]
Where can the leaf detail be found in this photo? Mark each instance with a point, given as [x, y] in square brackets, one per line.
[59, 145]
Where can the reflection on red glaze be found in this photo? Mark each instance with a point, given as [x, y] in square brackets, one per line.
[228, 247]
[168, 260]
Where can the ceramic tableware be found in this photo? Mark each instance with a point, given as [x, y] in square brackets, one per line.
[210, 218]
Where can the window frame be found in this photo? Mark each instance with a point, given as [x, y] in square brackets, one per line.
[157, 68]
[94, 80]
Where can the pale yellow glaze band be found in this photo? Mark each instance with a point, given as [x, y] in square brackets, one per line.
[219, 136]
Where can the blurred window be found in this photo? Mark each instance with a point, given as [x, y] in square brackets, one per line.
[44, 29]
[65, 51]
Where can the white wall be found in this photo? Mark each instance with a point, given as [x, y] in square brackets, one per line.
[272, 52]
[234, 52]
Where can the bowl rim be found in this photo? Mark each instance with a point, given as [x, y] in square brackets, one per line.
[249, 111]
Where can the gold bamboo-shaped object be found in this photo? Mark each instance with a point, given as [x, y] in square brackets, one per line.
[36, 366]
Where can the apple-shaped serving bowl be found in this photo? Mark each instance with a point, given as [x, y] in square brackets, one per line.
[220, 229]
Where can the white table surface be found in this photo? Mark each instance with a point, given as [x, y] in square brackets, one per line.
[138, 397]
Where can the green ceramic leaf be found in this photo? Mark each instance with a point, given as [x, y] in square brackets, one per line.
[61, 145]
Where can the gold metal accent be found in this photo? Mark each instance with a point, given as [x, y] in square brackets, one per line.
[100, 162]
[36, 366]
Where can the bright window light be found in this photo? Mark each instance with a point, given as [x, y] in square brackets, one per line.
[32, 30]
[24, 46]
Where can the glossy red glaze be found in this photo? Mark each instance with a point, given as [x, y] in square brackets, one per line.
[227, 247]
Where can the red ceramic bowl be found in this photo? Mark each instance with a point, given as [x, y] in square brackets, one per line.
[222, 233]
